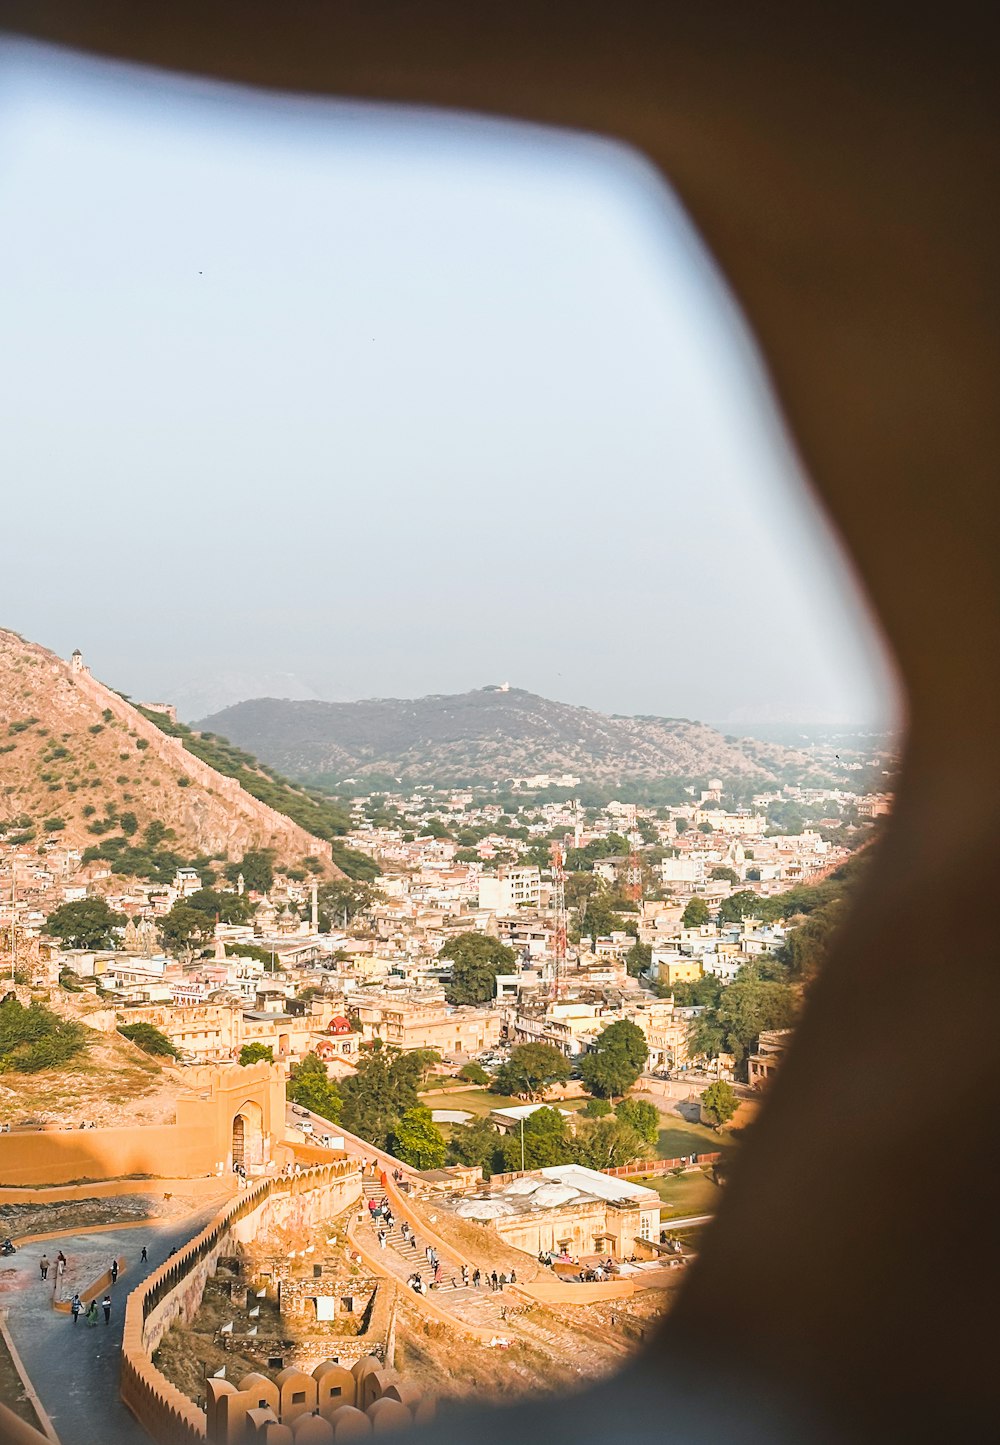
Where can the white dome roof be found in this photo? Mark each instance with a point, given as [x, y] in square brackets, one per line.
[484, 1209]
[549, 1195]
[523, 1186]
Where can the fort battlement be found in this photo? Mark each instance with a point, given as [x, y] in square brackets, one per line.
[175, 1289]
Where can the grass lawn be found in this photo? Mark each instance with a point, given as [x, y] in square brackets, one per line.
[692, 1193]
[679, 1137]
[473, 1100]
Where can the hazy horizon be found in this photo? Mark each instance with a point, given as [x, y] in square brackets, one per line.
[386, 403]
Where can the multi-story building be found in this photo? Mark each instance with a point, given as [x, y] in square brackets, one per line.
[510, 888]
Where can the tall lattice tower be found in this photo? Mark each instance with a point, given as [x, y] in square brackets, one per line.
[558, 864]
[633, 871]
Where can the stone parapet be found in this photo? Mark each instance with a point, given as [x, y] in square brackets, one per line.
[175, 1289]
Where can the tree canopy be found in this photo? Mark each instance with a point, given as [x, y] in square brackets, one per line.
[35, 1038]
[418, 1141]
[737, 906]
[476, 960]
[616, 1060]
[546, 1141]
[642, 1116]
[695, 914]
[531, 1069]
[719, 1103]
[186, 928]
[85, 923]
[639, 958]
[383, 1089]
[149, 1039]
[341, 901]
[257, 1053]
[309, 1086]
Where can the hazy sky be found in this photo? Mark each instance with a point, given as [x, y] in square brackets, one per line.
[392, 403]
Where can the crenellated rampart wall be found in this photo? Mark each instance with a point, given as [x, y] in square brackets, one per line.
[175, 1289]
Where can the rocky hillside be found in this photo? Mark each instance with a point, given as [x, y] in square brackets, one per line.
[484, 736]
[79, 765]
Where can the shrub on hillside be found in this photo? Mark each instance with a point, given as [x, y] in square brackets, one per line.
[35, 1038]
[149, 1039]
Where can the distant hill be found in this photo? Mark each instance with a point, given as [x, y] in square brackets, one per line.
[485, 736]
[80, 765]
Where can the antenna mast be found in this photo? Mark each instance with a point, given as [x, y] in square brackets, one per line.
[559, 914]
[633, 871]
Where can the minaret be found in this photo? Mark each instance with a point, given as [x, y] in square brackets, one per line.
[315, 906]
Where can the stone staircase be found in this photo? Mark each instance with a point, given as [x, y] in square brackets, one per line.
[413, 1255]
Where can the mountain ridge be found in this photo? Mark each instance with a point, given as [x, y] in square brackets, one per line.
[79, 762]
[486, 734]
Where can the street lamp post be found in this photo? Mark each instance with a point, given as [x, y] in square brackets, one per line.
[522, 1143]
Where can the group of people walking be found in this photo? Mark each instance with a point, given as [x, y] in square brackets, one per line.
[45, 1264]
[90, 1313]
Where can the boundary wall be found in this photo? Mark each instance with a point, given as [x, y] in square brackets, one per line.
[175, 1289]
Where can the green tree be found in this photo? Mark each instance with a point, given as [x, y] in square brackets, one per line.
[739, 906]
[309, 1086]
[695, 914]
[531, 1069]
[225, 906]
[599, 918]
[642, 1116]
[383, 1089]
[149, 1039]
[616, 1060]
[724, 875]
[547, 1142]
[418, 1141]
[476, 960]
[257, 868]
[343, 900]
[256, 1053]
[185, 928]
[719, 1103]
[747, 1007]
[477, 1144]
[474, 1074]
[682, 824]
[596, 1108]
[86, 923]
[639, 958]
[609, 1143]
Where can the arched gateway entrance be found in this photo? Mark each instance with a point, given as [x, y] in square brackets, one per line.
[248, 1136]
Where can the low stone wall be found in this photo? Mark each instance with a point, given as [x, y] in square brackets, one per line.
[175, 1289]
[100, 1286]
[659, 1166]
[70, 1156]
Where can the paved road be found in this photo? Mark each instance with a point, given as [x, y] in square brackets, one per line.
[75, 1368]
